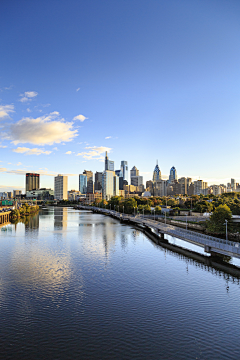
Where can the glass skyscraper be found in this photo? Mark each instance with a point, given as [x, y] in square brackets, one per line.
[83, 183]
[157, 173]
[173, 174]
[124, 168]
[109, 164]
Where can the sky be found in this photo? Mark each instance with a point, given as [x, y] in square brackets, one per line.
[143, 80]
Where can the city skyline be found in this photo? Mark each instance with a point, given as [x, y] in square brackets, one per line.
[164, 88]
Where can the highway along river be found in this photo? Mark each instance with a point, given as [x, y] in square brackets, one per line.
[77, 285]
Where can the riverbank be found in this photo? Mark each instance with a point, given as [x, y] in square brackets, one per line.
[24, 210]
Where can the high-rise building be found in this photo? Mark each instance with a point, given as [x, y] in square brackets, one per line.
[110, 184]
[136, 180]
[160, 187]
[157, 173]
[98, 180]
[109, 164]
[173, 174]
[17, 193]
[183, 183]
[233, 184]
[124, 168]
[134, 172]
[83, 183]
[119, 173]
[90, 183]
[61, 187]
[10, 194]
[32, 181]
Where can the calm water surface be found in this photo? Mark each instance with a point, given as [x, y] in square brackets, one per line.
[77, 285]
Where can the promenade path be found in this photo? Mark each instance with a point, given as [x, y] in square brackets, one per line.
[210, 244]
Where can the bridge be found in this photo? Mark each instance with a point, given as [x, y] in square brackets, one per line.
[211, 244]
[5, 217]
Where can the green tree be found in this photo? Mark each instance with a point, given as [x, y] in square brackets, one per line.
[216, 224]
[158, 210]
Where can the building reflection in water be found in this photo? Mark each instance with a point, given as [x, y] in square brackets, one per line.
[60, 218]
[31, 225]
[104, 232]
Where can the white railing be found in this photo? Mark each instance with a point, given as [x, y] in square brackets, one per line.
[175, 231]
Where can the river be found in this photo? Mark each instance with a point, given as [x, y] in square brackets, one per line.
[77, 285]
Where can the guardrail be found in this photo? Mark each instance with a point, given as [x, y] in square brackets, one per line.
[214, 244]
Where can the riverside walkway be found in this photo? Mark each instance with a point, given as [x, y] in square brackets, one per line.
[210, 244]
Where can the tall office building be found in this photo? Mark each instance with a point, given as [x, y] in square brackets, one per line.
[83, 183]
[61, 187]
[32, 181]
[173, 174]
[90, 183]
[109, 164]
[233, 184]
[124, 168]
[98, 180]
[110, 184]
[17, 193]
[136, 180]
[134, 172]
[157, 173]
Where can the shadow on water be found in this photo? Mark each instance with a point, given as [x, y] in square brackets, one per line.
[213, 264]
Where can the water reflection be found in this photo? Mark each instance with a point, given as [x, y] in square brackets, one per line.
[105, 291]
[60, 217]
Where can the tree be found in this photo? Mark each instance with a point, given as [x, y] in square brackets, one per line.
[216, 224]
[158, 210]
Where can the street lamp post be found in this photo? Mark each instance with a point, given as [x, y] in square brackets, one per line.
[154, 214]
[110, 206]
[134, 211]
[165, 217]
[123, 209]
[118, 208]
[226, 229]
[186, 222]
[143, 212]
[114, 207]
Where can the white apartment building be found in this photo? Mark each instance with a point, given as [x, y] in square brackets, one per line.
[61, 187]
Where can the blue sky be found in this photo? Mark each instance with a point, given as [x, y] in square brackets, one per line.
[146, 80]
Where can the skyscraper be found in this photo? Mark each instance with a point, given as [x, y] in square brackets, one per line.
[61, 187]
[83, 183]
[173, 174]
[32, 181]
[124, 168]
[109, 164]
[110, 184]
[157, 173]
[233, 184]
[134, 172]
[90, 183]
[98, 180]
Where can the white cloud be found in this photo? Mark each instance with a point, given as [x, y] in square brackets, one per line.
[80, 118]
[27, 151]
[42, 130]
[77, 89]
[19, 163]
[108, 137]
[28, 110]
[68, 153]
[28, 95]
[5, 110]
[95, 153]
[38, 171]
[3, 146]
[55, 148]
